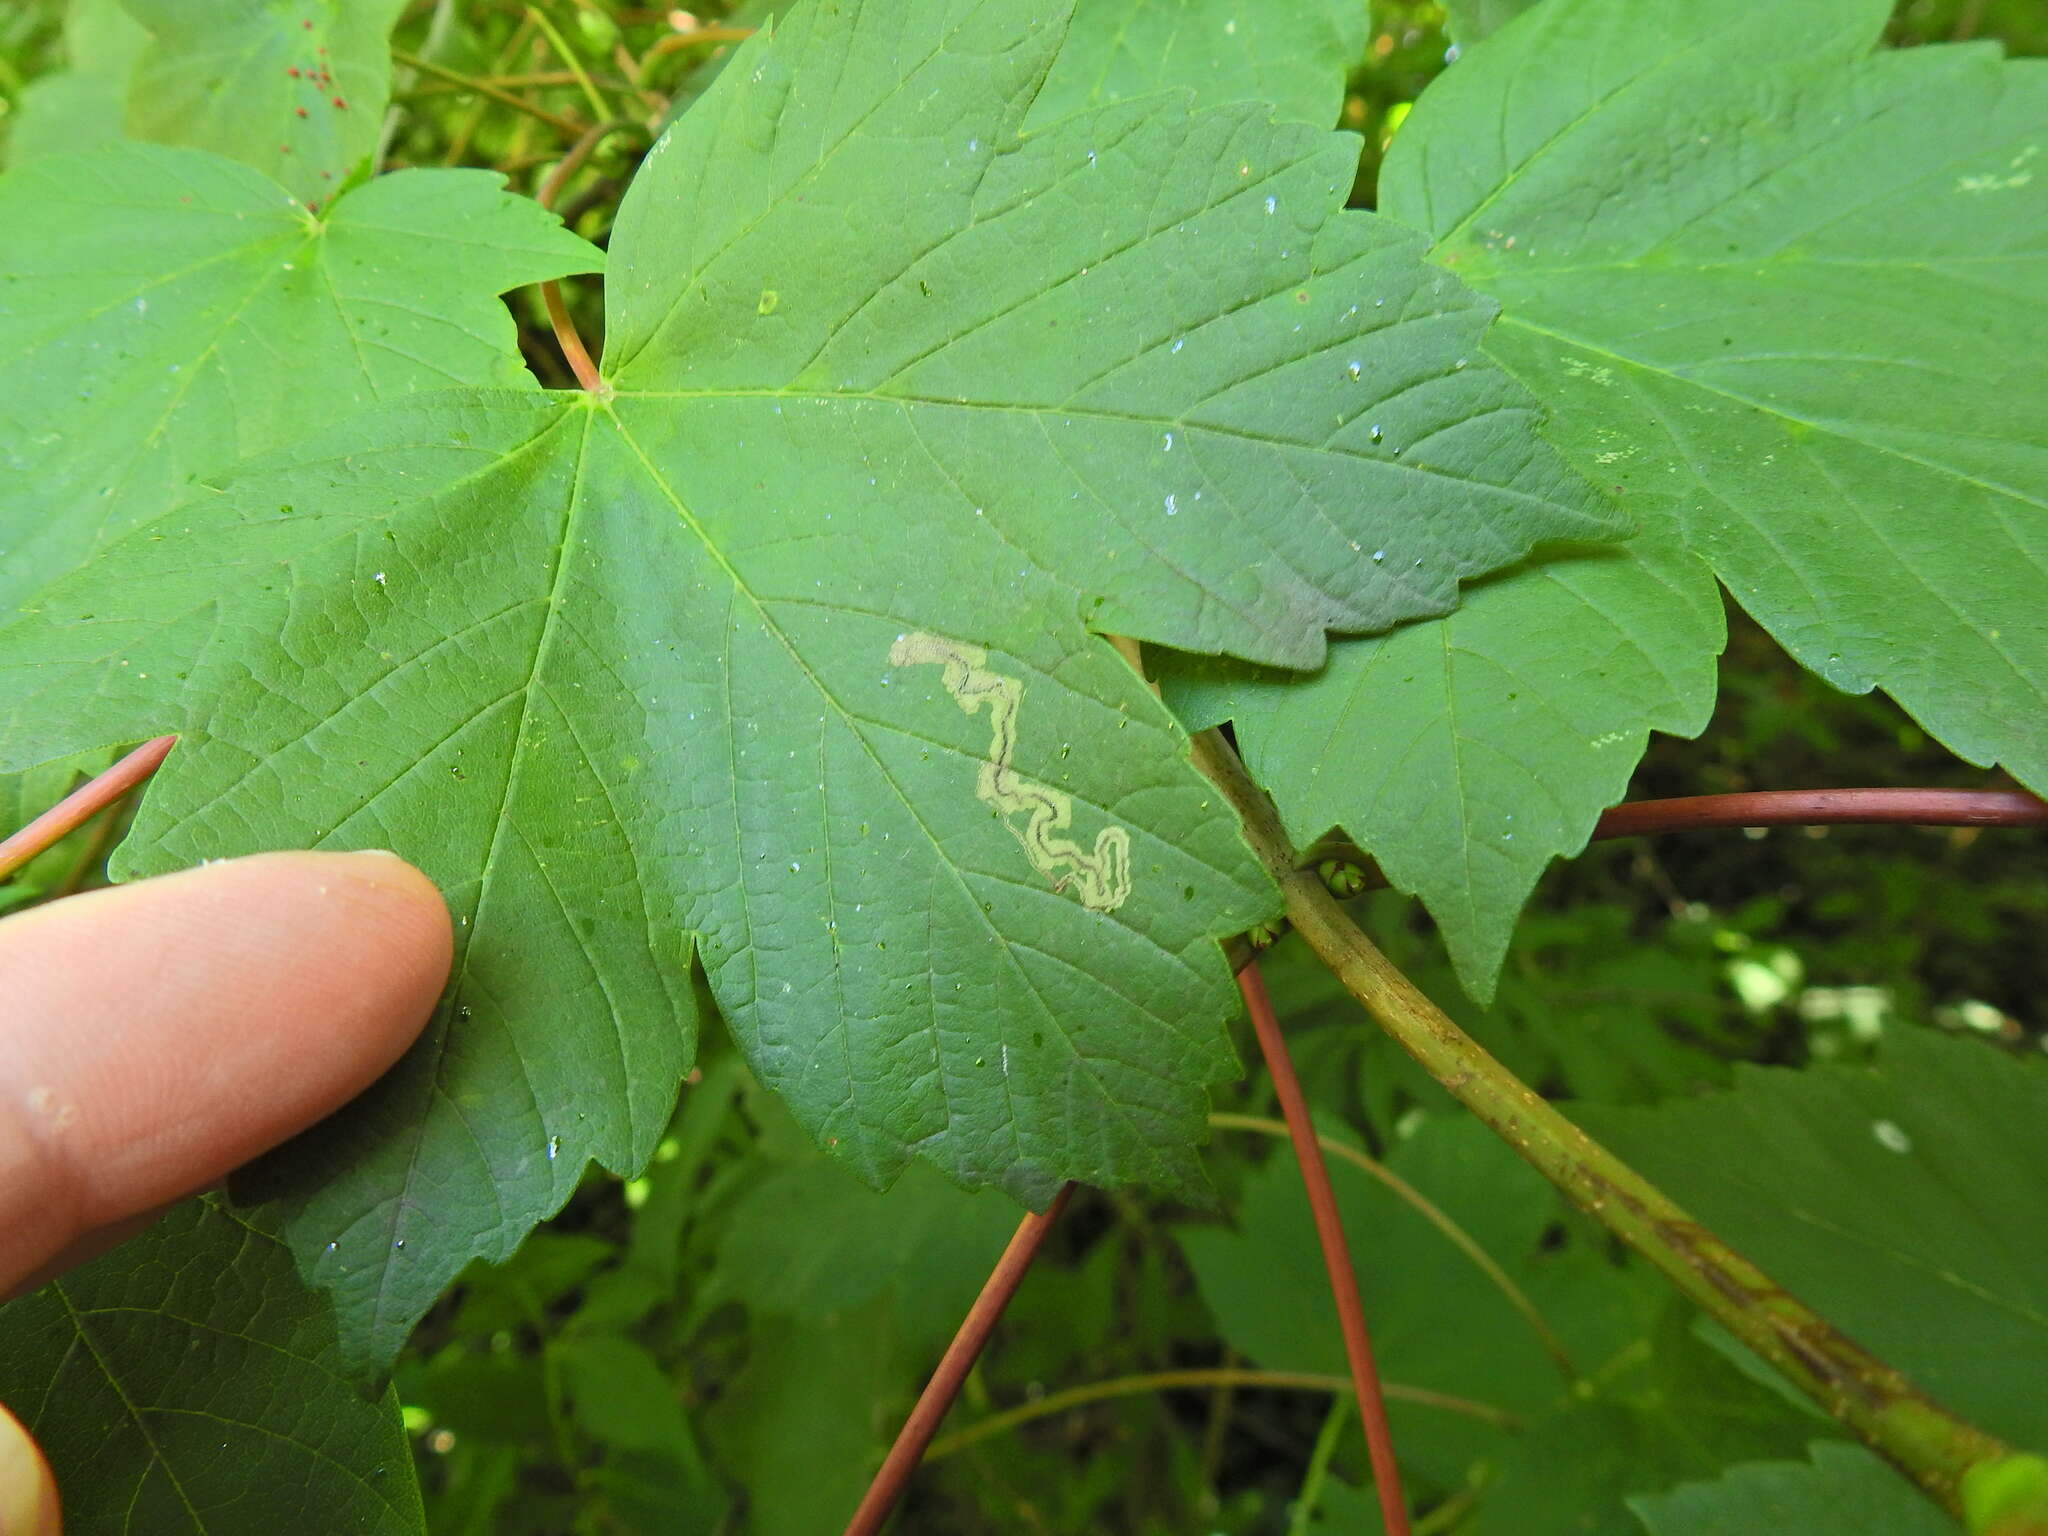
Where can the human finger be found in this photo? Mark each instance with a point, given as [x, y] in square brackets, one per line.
[155, 1036]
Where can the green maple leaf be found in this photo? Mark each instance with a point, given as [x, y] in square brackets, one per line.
[1843, 1490]
[1467, 752]
[779, 649]
[77, 108]
[1782, 388]
[166, 312]
[1815, 321]
[1292, 56]
[295, 88]
[189, 1382]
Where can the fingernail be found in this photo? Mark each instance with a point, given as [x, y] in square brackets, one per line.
[28, 1504]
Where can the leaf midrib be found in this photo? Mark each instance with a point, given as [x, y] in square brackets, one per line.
[1811, 423]
[515, 769]
[1093, 413]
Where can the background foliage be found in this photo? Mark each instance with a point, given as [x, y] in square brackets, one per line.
[726, 1342]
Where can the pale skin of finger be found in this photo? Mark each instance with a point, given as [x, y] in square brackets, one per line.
[157, 1035]
[28, 1494]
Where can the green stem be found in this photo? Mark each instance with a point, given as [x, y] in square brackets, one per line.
[1219, 1376]
[1447, 1515]
[1430, 1212]
[1311, 1493]
[555, 120]
[1932, 1446]
[600, 109]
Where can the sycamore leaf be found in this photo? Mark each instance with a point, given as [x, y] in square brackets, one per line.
[188, 1382]
[295, 88]
[779, 648]
[802, 1425]
[1884, 1196]
[1844, 1490]
[1805, 286]
[165, 312]
[805, 1241]
[1466, 752]
[1291, 54]
[79, 108]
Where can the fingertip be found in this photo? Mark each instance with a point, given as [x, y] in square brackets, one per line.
[28, 1493]
[387, 908]
[158, 1035]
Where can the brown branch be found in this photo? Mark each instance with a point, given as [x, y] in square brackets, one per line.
[1322, 1200]
[1760, 808]
[700, 37]
[567, 337]
[1827, 807]
[588, 379]
[82, 804]
[939, 1392]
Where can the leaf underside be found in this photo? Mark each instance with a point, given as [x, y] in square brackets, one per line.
[782, 653]
[189, 1383]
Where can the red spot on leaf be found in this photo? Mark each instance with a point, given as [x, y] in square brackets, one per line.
[293, 73]
[300, 110]
[340, 103]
